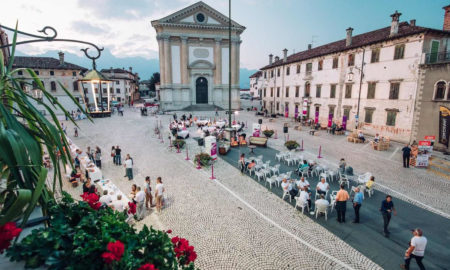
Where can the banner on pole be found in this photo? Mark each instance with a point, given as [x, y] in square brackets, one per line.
[344, 122]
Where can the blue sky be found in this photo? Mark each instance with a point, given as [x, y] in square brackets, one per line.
[123, 27]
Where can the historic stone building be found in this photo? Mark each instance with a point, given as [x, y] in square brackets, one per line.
[124, 88]
[194, 58]
[378, 72]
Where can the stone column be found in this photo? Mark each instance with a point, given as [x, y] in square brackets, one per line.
[237, 64]
[162, 71]
[167, 60]
[218, 62]
[233, 61]
[184, 61]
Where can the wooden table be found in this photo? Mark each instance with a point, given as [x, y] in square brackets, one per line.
[251, 147]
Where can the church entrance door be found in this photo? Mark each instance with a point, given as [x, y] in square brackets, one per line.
[201, 87]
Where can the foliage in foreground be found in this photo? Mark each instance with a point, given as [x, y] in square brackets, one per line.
[80, 237]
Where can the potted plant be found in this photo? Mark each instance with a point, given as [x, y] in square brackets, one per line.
[204, 159]
[290, 145]
[268, 132]
[178, 143]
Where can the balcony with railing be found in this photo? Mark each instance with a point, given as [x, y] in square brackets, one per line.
[437, 57]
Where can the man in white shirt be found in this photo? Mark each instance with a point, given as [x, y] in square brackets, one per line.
[322, 187]
[119, 205]
[140, 200]
[416, 249]
[304, 196]
[322, 201]
[105, 199]
[302, 183]
[129, 167]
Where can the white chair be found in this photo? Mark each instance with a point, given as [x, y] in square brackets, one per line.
[331, 175]
[288, 174]
[266, 172]
[298, 159]
[333, 199]
[275, 169]
[260, 174]
[370, 190]
[363, 178]
[321, 209]
[305, 171]
[290, 160]
[302, 204]
[317, 195]
[279, 156]
[344, 181]
[271, 180]
[286, 193]
[251, 170]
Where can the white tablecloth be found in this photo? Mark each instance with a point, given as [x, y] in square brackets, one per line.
[96, 174]
[112, 189]
[183, 134]
[210, 129]
[202, 122]
[220, 124]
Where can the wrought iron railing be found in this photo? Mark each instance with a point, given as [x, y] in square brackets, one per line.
[437, 57]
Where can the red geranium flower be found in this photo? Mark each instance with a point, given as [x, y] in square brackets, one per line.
[108, 257]
[115, 253]
[132, 208]
[92, 200]
[169, 231]
[147, 266]
[7, 233]
[175, 239]
[183, 251]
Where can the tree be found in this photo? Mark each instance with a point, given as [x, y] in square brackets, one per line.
[154, 80]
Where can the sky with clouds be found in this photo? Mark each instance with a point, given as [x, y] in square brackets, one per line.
[123, 26]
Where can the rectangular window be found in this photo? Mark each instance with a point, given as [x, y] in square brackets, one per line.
[74, 73]
[96, 90]
[368, 116]
[375, 56]
[104, 90]
[271, 73]
[394, 91]
[264, 93]
[278, 106]
[53, 86]
[348, 90]
[298, 68]
[287, 91]
[52, 73]
[264, 104]
[297, 91]
[390, 120]
[371, 90]
[331, 110]
[265, 74]
[399, 51]
[271, 91]
[308, 67]
[288, 70]
[117, 82]
[278, 72]
[119, 99]
[320, 65]
[347, 113]
[37, 72]
[75, 86]
[117, 90]
[351, 60]
[335, 62]
[318, 90]
[278, 92]
[333, 91]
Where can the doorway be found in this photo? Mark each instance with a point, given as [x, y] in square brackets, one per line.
[201, 88]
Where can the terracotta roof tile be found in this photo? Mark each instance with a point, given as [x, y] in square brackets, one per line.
[43, 63]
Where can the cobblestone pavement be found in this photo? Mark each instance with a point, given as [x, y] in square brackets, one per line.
[233, 222]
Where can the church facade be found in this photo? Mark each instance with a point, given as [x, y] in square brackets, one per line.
[194, 58]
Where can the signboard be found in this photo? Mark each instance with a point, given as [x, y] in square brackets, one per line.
[430, 138]
[330, 119]
[444, 125]
[214, 151]
[344, 122]
[424, 153]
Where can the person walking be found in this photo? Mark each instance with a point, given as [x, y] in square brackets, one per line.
[63, 127]
[159, 192]
[128, 167]
[140, 200]
[387, 207]
[148, 193]
[416, 249]
[75, 132]
[98, 157]
[357, 202]
[406, 155]
[118, 157]
[217, 112]
[113, 154]
[341, 204]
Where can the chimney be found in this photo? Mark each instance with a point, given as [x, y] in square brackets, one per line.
[131, 69]
[285, 55]
[270, 59]
[412, 22]
[394, 23]
[309, 46]
[277, 58]
[446, 26]
[348, 39]
[61, 58]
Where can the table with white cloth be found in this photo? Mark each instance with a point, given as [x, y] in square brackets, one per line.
[220, 124]
[202, 122]
[183, 134]
[93, 171]
[210, 129]
[113, 190]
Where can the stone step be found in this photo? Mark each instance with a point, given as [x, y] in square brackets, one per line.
[202, 107]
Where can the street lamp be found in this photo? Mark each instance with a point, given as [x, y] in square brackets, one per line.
[350, 79]
[94, 78]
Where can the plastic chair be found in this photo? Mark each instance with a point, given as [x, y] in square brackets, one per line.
[286, 193]
[271, 180]
[322, 209]
[302, 204]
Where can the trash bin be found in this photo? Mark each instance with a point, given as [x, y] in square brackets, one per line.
[201, 142]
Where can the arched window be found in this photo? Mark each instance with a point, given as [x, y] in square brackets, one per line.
[440, 90]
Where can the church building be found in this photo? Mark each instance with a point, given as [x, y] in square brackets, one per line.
[194, 59]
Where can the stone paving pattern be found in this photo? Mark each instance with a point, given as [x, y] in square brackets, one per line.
[257, 231]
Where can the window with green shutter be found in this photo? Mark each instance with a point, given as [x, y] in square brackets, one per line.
[375, 56]
[318, 90]
[297, 91]
[288, 70]
[298, 68]
[347, 113]
[394, 91]
[335, 62]
[399, 52]
[278, 92]
[333, 91]
[287, 91]
[368, 116]
[308, 67]
[390, 120]
[371, 90]
[348, 90]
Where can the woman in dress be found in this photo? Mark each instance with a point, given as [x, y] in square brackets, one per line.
[159, 192]
[113, 154]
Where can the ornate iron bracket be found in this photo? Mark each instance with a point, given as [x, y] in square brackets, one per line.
[49, 37]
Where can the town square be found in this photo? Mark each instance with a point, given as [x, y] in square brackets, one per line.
[222, 148]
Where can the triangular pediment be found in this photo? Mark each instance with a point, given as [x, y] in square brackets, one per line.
[198, 14]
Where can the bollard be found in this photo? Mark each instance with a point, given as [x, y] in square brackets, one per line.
[178, 148]
[212, 172]
[320, 151]
[170, 144]
[246, 124]
[302, 146]
[198, 164]
[288, 137]
[276, 135]
[187, 155]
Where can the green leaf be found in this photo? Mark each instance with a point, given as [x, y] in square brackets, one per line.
[16, 209]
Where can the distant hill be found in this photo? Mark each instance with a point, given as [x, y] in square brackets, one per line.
[145, 67]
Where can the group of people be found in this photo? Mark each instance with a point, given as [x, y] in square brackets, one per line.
[144, 197]
[336, 127]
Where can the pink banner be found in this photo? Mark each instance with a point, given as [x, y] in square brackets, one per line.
[344, 122]
[296, 112]
[286, 111]
[316, 118]
[214, 151]
[330, 120]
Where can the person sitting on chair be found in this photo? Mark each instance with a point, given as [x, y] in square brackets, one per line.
[322, 201]
[370, 183]
[361, 136]
[251, 164]
[303, 166]
[377, 138]
[322, 187]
